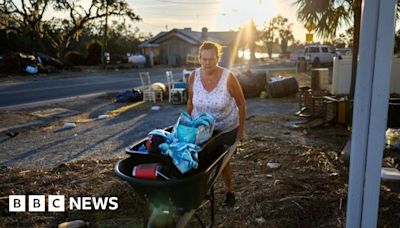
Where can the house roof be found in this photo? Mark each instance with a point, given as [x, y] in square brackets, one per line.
[193, 37]
[149, 42]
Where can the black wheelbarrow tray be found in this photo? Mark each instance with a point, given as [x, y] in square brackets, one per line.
[184, 194]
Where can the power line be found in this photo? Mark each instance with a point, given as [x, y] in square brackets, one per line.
[182, 15]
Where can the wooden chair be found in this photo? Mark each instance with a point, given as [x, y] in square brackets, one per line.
[149, 93]
[172, 90]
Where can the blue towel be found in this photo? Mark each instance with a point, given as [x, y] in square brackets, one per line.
[183, 154]
[195, 131]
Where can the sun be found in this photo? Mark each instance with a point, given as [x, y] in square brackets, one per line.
[235, 13]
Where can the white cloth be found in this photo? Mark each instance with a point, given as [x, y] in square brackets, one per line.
[218, 103]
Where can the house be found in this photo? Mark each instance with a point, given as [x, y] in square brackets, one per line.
[178, 45]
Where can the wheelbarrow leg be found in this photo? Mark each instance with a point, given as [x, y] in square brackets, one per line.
[184, 220]
[212, 210]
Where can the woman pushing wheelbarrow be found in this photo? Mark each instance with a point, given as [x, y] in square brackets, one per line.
[214, 90]
[169, 184]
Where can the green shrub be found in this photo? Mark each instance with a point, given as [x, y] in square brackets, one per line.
[73, 58]
[94, 52]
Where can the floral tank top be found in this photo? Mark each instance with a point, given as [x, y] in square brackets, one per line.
[218, 102]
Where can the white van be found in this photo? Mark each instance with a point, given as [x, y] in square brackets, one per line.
[320, 54]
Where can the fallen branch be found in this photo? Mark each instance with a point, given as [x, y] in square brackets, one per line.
[294, 197]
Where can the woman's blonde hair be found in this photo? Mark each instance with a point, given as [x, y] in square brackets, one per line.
[209, 45]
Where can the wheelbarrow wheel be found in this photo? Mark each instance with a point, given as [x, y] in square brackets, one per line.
[160, 218]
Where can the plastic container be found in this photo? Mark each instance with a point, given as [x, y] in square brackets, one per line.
[393, 137]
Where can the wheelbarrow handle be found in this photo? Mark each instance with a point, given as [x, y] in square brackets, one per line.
[220, 164]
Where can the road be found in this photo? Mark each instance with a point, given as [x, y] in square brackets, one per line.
[14, 95]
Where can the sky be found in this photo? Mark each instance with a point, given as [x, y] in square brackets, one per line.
[216, 15]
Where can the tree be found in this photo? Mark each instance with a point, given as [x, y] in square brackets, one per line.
[284, 31]
[327, 16]
[268, 37]
[24, 18]
[278, 30]
[340, 42]
[297, 44]
[80, 17]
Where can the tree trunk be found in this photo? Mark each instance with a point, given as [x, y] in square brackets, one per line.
[269, 50]
[284, 45]
[356, 42]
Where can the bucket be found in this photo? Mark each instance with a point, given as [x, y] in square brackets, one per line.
[283, 88]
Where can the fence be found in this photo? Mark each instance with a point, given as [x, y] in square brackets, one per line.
[342, 76]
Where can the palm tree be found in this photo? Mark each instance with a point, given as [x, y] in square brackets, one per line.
[328, 16]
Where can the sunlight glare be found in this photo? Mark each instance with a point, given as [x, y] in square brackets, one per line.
[236, 13]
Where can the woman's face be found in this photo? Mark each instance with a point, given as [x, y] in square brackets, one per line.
[208, 59]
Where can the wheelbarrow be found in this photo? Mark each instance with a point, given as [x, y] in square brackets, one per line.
[175, 200]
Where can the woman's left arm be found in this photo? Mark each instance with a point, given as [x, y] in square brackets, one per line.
[237, 93]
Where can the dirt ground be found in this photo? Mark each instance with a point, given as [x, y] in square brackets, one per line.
[309, 189]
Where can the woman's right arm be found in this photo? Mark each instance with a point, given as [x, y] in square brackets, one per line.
[189, 106]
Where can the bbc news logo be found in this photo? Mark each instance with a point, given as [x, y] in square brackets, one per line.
[57, 203]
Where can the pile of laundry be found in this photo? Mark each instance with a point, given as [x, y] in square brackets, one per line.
[183, 143]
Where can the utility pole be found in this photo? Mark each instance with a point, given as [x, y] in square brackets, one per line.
[104, 60]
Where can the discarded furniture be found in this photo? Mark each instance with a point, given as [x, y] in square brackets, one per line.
[149, 93]
[282, 87]
[186, 74]
[174, 91]
[252, 82]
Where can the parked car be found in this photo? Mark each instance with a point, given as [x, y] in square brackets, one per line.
[319, 54]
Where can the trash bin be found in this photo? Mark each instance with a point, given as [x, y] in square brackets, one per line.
[394, 113]
[282, 88]
[319, 79]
